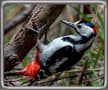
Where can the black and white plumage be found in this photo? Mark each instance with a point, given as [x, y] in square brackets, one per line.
[63, 52]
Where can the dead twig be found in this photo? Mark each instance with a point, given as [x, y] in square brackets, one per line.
[14, 73]
[10, 73]
[14, 80]
[94, 79]
[79, 70]
[83, 72]
[54, 79]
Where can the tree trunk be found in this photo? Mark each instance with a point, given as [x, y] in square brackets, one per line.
[24, 40]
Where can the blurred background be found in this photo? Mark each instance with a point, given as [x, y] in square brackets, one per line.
[93, 58]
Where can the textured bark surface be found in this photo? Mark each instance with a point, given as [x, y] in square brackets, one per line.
[24, 39]
[18, 19]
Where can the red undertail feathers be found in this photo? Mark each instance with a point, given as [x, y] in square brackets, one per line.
[32, 68]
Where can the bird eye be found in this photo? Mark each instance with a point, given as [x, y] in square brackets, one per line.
[79, 26]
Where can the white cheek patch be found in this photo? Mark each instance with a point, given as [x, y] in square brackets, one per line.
[86, 30]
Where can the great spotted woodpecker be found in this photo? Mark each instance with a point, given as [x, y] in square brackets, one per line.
[63, 52]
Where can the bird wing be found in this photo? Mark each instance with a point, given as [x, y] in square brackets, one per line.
[61, 57]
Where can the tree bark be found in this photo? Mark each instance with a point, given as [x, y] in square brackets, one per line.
[24, 39]
[18, 19]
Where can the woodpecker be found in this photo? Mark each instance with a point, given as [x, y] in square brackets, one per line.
[63, 52]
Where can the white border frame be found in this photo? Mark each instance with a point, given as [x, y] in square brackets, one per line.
[56, 2]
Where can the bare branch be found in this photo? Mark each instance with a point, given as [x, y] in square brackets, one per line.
[24, 40]
[18, 19]
[52, 80]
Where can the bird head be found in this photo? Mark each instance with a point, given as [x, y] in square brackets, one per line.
[83, 28]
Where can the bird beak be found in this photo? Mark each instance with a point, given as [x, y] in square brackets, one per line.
[68, 23]
[73, 25]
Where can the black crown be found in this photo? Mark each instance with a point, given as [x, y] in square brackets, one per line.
[87, 23]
